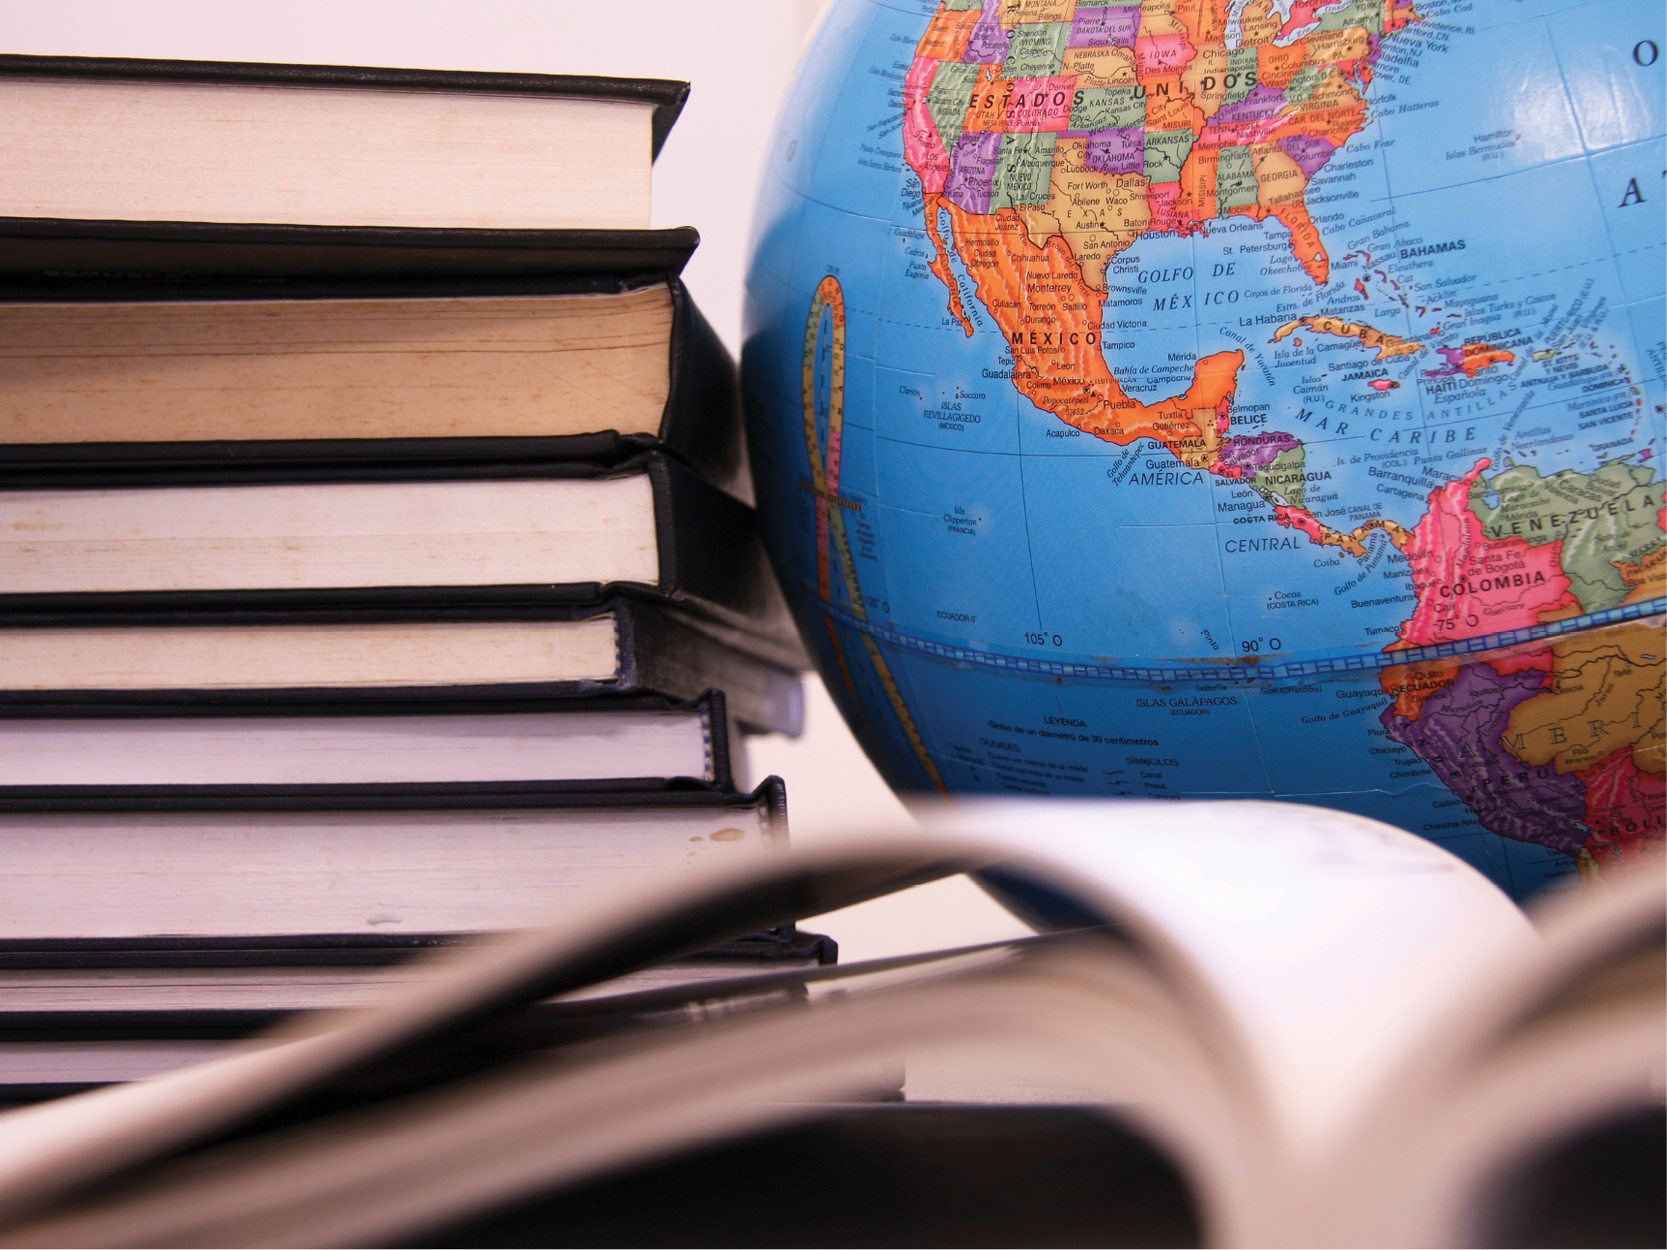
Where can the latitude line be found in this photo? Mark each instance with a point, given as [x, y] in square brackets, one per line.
[1359, 665]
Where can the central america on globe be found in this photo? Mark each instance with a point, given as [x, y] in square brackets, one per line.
[1232, 399]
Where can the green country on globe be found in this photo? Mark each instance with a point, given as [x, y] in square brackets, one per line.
[1232, 398]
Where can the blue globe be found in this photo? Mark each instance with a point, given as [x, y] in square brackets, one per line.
[1232, 399]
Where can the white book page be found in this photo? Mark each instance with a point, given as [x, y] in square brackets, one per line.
[305, 987]
[211, 657]
[547, 746]
[1330, 940]
[160, 151]
[1544, 1050]
[240, 874]
[477, 367]
[93, 1063]
[285, 988]
[335, 535]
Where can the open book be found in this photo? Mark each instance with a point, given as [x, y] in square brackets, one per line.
[1340, 1033]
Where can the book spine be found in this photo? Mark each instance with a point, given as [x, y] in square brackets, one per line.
[772, 793]
[590, 793]
[702, 421]
[715, 714]
[671, 655]
[711, 552]
[49, 257]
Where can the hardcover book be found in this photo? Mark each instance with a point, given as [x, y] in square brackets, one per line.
[116, 664]
[464, 536]
[401, 861]
[584, 370]
[140, 140]
[572, 742]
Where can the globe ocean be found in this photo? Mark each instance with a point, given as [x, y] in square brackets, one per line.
[1232, 398]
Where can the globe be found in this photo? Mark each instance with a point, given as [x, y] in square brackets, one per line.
[1232, 399]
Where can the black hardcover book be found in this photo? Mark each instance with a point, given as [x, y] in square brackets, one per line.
[46, 257]
[578, 744]
[349, 865]
[108, 378]
[389, 660]
[472, 536]
[103, 139]
[664, 97]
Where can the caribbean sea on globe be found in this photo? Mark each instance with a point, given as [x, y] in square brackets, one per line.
[1232, 398]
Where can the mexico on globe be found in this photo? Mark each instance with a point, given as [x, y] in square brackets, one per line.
[1235, 399]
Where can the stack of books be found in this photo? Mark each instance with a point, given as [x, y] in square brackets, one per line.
[377, 566]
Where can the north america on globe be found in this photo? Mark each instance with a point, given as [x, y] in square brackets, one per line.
[1233, 398]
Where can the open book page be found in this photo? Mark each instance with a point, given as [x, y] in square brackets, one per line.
[469, 366]
[1266, 948]
[1542, 1051]
[1329, 940]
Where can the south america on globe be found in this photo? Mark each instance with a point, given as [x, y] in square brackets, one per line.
[1234, 399]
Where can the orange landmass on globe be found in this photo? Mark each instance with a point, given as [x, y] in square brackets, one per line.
[1051, 320]
[946, 37]
[1468, 584]
[1412, 684]
[1604, 696]
[1646, 578]
[1479, 356]
[1387, 346]
[1353, 542]
[941, 268]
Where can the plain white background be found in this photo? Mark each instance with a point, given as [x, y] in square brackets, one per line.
[739, 57]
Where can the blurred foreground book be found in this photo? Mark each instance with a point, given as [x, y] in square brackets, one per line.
[1303, 1027]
